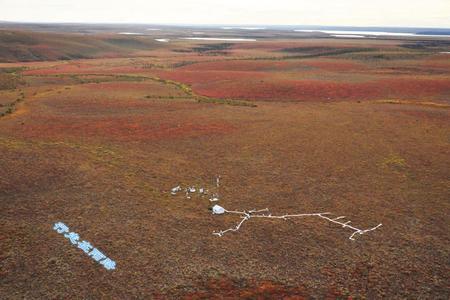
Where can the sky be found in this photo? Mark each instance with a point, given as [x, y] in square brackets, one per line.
[398, 13]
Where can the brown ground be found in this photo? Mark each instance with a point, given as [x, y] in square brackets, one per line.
[100, 151]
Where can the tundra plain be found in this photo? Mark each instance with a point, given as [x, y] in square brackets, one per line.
[96, 128]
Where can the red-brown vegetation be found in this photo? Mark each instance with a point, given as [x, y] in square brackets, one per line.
[247, 87]
[99, 143]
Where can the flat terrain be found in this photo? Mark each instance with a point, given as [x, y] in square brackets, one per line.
[95, 131]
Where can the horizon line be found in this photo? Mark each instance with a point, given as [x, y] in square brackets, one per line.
[216, 24]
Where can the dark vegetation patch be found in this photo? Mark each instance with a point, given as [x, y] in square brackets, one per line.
[164, 97]
[208, 49]
[128, 43]
[427, 45]
[212, 47]
[13, 37]
[203, 99]
[182, 50]
[10, 78]
[40, 46]
[311, 52]
[73, 79]
[9, 108]
[334, 52]
[68, 56]
[12, 70]
[183, 63]
[320, 51]
[88, 78]
[386, 55]
[226, 101]
[308, 50]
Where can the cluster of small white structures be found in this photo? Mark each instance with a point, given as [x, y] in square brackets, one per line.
[202, 191]
[265, 213]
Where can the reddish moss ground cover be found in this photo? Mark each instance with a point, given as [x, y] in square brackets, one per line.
[122, 129]
[102, 157]
[259, 85]
[287, 65]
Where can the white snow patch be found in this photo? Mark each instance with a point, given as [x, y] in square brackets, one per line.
[252, 28]
[347, 36]
[243, 28]
[220, 39]
[130, 33]
[162, 40]
[376, 33]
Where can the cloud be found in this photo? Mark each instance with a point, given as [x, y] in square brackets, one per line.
[432, 13]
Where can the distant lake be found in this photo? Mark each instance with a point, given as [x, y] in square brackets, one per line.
[130, 33]
[361, 32]
[220, 39]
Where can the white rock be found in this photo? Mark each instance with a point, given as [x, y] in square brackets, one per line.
[176, 189]
[218, 210]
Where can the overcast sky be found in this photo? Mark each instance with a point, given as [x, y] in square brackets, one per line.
[408, 13]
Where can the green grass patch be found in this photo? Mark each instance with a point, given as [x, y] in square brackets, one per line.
[226, 102]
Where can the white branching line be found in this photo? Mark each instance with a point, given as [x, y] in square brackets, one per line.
[247, 215]
[262, 213]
